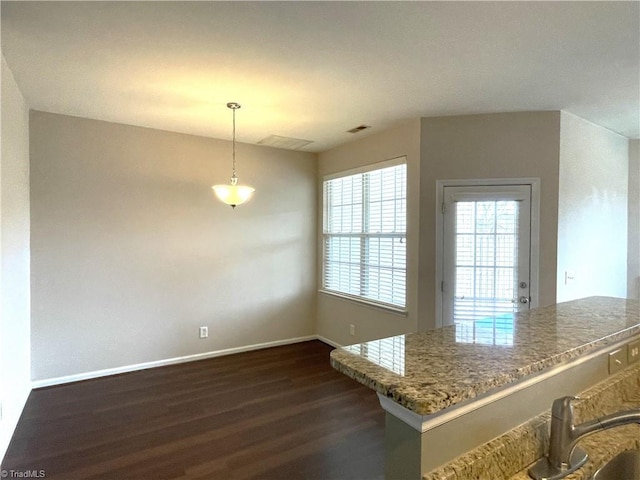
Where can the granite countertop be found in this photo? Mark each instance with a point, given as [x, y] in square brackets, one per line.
[429, 371]
[508, 456]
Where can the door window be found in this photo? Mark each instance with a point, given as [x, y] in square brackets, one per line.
[486, 259]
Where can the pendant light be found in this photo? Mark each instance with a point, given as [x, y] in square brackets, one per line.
[233, 194]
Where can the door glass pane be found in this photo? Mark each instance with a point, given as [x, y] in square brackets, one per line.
[486, 265]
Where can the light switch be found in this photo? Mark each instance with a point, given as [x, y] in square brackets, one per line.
[617, 360]
[569, 277]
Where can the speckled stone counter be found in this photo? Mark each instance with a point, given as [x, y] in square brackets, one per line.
[508, 456]
[430, 371]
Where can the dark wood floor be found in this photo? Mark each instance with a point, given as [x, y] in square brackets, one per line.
[280, 413]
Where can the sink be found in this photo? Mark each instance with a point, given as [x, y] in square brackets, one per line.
[624, 466]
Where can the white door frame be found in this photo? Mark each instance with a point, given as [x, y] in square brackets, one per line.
[534, 270]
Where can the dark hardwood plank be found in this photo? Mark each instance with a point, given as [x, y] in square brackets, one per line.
[278, 413]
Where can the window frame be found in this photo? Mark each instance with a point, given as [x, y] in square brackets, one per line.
[402, 160]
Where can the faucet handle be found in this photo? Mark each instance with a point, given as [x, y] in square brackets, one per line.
[562, 406]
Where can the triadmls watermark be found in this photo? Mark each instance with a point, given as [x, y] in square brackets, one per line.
[23, 474]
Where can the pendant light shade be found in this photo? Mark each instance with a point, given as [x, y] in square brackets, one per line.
[233, 194]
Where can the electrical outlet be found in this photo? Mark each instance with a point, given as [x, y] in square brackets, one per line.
[204, 332]
[352, 329]
[633, 352]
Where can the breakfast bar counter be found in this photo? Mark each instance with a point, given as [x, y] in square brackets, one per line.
[489, 376]
[427, 372]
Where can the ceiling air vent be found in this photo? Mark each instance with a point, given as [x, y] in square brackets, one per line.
[284, 142]
[359, 128]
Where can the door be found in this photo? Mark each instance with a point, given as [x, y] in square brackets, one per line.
[486, 257]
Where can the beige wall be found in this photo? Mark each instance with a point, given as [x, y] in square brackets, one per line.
[131, 253]
[633, 253]
[504, 145]
[15, 375]
[336, 314]
[592, 210]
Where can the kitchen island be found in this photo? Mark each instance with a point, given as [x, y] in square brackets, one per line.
[449, 390]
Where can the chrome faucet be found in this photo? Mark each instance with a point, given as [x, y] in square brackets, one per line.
[564, 457]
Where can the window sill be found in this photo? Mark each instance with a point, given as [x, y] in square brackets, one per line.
[366, 303]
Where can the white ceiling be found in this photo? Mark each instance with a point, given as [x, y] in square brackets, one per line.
[312, 70]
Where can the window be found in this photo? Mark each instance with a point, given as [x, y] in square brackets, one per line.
[365, 234]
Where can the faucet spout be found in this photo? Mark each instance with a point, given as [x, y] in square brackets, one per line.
[614, 420]
[578, 432]
[564, 457]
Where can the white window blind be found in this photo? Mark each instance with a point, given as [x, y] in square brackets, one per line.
[365, 229]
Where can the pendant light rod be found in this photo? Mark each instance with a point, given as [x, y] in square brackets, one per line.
[234, 106]
[233, 194]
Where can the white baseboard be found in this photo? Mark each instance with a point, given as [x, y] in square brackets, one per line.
[49, 382]
[327, 341]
